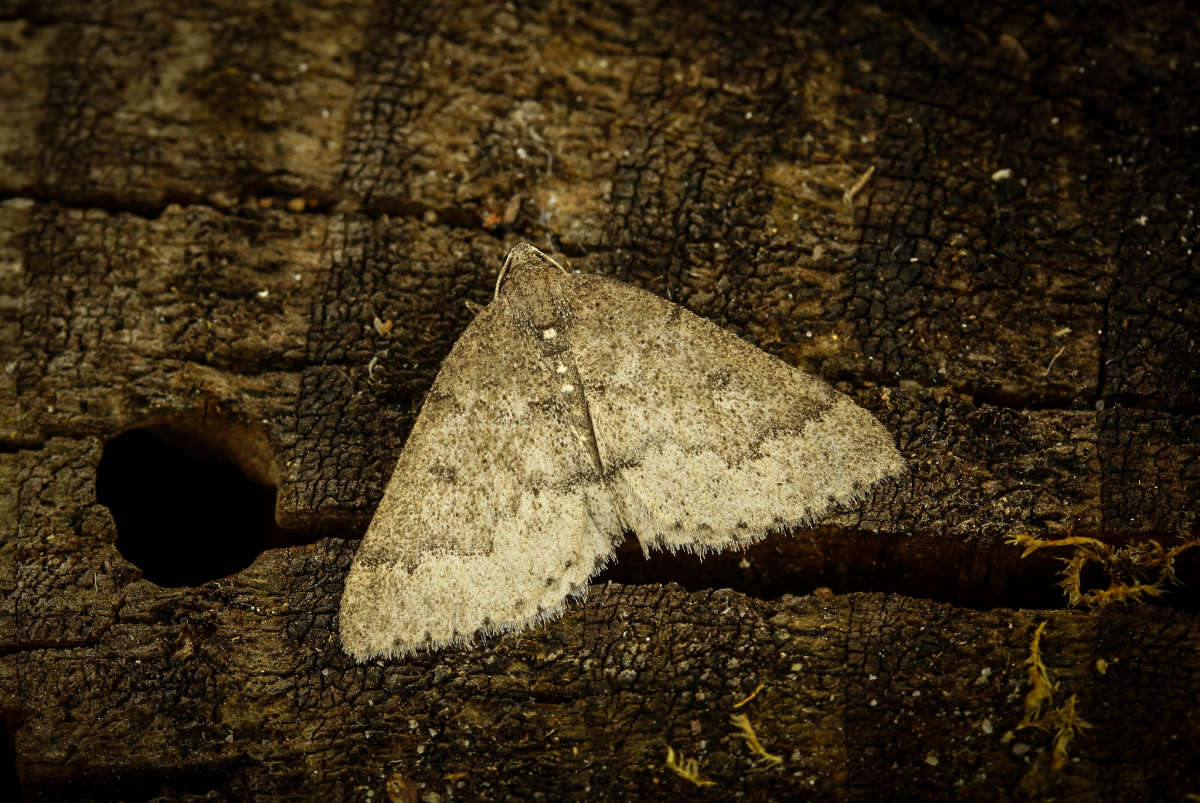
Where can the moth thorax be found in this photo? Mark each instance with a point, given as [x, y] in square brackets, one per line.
[536, 296]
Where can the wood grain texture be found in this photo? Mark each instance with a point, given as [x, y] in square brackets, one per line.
[206, 207]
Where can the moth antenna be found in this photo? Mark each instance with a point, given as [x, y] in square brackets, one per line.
[554, 262]
[503, 273]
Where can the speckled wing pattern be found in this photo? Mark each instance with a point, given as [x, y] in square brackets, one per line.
[495, 513]
[709, 442]
[572, 409]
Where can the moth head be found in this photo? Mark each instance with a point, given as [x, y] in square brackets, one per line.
[523, 259]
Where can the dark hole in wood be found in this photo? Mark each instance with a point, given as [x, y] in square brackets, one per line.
[10, 788]
[184, 514]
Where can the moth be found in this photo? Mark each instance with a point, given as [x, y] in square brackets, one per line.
[572, 410]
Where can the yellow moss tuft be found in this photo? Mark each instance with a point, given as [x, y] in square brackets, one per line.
[1041, 689]
[1068, 724]
[751, 696]
[1135, 571]
[1032, 543]
[746, 731]
[686, 768]
[1064, 721]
